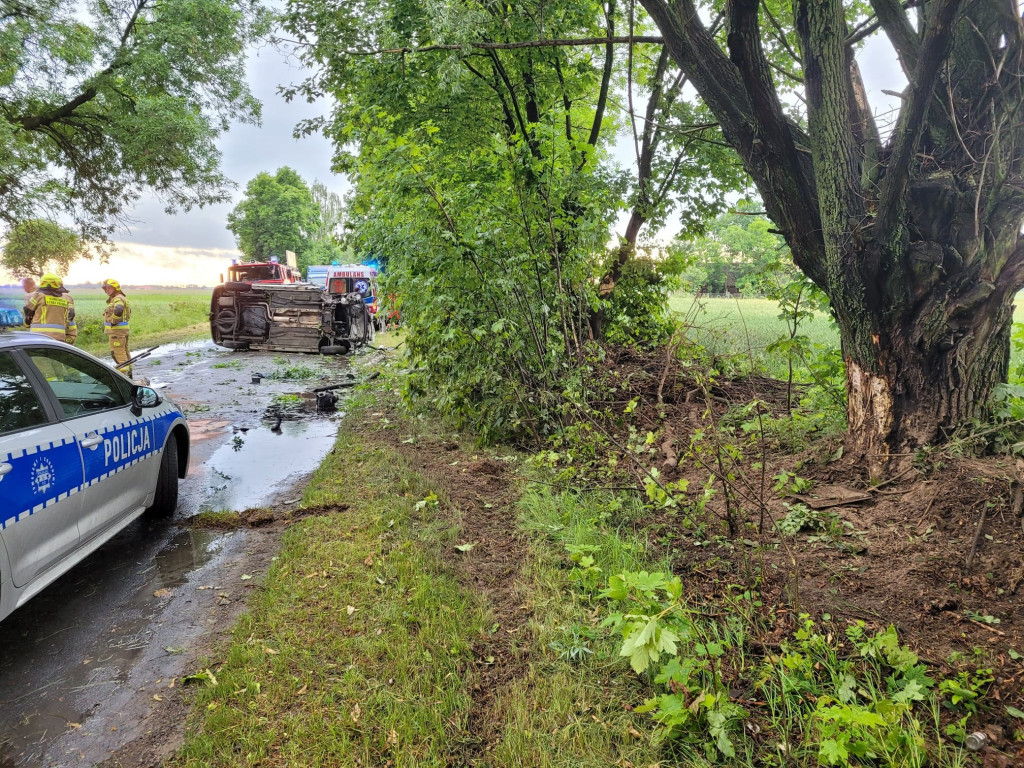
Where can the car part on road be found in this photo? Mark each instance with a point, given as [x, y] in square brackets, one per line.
[288, 318]
[136, 358]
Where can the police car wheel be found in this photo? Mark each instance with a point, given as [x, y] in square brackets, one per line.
[165, 501]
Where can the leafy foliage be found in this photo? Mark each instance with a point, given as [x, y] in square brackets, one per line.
[276, 215]
[103, 99]
[35, 246]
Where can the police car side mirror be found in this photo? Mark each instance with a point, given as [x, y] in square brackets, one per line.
[144, 397]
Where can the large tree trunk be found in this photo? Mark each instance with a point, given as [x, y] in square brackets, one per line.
[915, 240]
[914, 383]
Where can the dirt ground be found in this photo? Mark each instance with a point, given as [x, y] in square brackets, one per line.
[937, 550]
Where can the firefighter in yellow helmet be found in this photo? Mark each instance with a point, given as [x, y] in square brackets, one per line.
[46, 309]
[115, 323]
[72, 323]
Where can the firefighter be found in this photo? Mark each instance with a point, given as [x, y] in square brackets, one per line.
[72, 324]
[46, 310]
[115, 323]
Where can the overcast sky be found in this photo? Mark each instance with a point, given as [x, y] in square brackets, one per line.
[194, 247]
[246, 150]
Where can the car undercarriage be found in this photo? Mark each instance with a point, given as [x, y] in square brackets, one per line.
[296, 317]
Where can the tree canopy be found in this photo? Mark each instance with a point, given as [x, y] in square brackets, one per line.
[35, 246]
[276, 214]
[104, 99]
[482, 174]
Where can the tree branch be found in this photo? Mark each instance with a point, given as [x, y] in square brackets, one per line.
[937, 44]
[555, 43]
[606, 75]
[781, 173]
[901, 34]
[822, 30]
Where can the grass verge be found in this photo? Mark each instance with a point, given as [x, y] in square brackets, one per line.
[370, 646]
[379, 638]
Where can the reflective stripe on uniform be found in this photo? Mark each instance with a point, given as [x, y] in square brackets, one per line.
[47, 326]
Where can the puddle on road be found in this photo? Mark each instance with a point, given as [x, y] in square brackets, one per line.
[254, 465]
[184, 346]
[35, 715]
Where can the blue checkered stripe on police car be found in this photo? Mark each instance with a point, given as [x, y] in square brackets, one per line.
[46, 474]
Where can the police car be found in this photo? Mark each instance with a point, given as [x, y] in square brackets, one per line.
[83, 453]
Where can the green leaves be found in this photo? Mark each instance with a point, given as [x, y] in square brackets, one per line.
[36, 246]
[102, 100]
[276, 214]
[646, 641]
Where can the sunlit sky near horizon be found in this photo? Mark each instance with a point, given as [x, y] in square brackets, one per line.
[195, 247]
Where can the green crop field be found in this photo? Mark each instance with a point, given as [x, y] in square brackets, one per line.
[747, 326]
[158, 316]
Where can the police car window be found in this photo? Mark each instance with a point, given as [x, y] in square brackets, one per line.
[81, 385]
[19, 405]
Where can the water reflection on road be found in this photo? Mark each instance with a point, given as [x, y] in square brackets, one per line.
[84, 665]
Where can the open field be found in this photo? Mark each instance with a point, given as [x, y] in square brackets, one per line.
[158, 316]
[747, 326]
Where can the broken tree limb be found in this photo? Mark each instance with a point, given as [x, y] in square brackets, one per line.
[344, 384]
[977, 535]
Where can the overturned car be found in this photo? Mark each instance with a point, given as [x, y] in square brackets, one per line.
[297, 317]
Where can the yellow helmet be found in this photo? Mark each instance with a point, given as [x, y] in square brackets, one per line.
[113, 284]
[49, 280]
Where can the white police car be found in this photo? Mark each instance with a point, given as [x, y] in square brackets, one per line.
[83, 453]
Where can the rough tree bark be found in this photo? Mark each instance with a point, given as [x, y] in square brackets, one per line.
[915, 241]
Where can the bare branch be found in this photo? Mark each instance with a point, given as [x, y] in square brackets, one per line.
[556, 43]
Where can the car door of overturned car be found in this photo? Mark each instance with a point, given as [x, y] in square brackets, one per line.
[288, 318]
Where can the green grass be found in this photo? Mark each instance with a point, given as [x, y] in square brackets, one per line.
[745, 327]
[157, 316]
[362, 647]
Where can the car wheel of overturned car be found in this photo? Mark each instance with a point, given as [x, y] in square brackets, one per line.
[335, 349]
[165, 500]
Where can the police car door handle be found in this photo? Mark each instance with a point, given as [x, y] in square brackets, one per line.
[92, 441]
[5, 468]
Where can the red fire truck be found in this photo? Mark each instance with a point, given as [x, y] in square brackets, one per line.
[262, 272]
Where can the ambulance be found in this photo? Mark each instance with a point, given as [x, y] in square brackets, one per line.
[356, 278]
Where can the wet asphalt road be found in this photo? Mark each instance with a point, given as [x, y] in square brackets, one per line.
[85, 665]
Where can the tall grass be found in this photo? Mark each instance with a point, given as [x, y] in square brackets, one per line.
[157, 316]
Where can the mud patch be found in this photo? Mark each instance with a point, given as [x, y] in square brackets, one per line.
[483, 494]
[261, 517]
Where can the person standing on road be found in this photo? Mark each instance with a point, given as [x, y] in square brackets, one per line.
[72, 324]
[46, 310]
[115, 323]
[29, 284]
